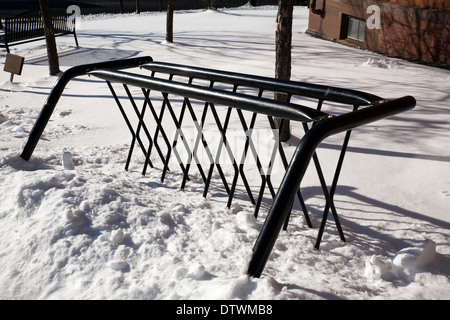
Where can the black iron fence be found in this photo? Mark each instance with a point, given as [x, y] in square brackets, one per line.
[9, 8]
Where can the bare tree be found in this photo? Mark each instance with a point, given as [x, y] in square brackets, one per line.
[52, 52]
[138, 7]
[211, 4]
[169, 22]
[283, 43]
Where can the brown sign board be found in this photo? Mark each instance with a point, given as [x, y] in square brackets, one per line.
[14, 64]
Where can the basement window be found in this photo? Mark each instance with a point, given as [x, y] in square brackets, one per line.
[356, 29]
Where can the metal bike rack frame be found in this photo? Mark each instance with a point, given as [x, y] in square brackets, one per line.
[365, 108]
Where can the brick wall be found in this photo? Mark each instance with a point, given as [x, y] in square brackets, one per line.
[431, 4]
[411, 32]
[415, 34]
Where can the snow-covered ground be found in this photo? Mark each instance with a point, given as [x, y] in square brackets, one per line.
[100, 232]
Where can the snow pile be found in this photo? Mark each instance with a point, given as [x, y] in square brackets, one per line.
[377, 267]
[382, 63]
[407, 261]
[416, 258]
[75, 225]
[67, 161]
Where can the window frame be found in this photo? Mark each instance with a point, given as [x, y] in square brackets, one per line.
[360, 30]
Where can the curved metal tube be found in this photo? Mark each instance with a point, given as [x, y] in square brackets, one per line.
[299, 163]
[325, 125]
[231, 99]
[58, 89]
[341, 95]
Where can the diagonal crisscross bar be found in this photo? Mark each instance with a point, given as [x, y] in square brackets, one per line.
[199, 108]
[159, 130]
[215, 77]
[222, 126]
[329, 194]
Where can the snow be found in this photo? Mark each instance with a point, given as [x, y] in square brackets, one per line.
[75, 225]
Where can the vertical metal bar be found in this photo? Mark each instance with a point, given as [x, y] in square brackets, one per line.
[333, 190]
[159, 127]
[283, 201]
[178, 133]
[169, 147]
[244, 153]
[205, 145]
[133, 140]
[197, 138]
[241, 171]
[223, 141]
[298, 193]
[141, 121]
[215, 163]
[125, 117]
[232, 158]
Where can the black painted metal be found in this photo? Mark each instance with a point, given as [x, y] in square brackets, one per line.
[58, 89]
[234, 100]
[213, 94]
[28, 26]
[299, 163]
[231, 99]
[304, 89]
[321, 93]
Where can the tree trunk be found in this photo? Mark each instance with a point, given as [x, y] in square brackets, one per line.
[169, 23]
[138, 7]
[52, 52]
[283, 55]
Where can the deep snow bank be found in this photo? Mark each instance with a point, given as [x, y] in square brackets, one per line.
[95, 231]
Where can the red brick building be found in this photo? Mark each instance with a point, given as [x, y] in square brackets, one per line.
[411, 29]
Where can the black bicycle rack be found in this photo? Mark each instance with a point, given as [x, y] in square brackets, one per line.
[173, 95]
